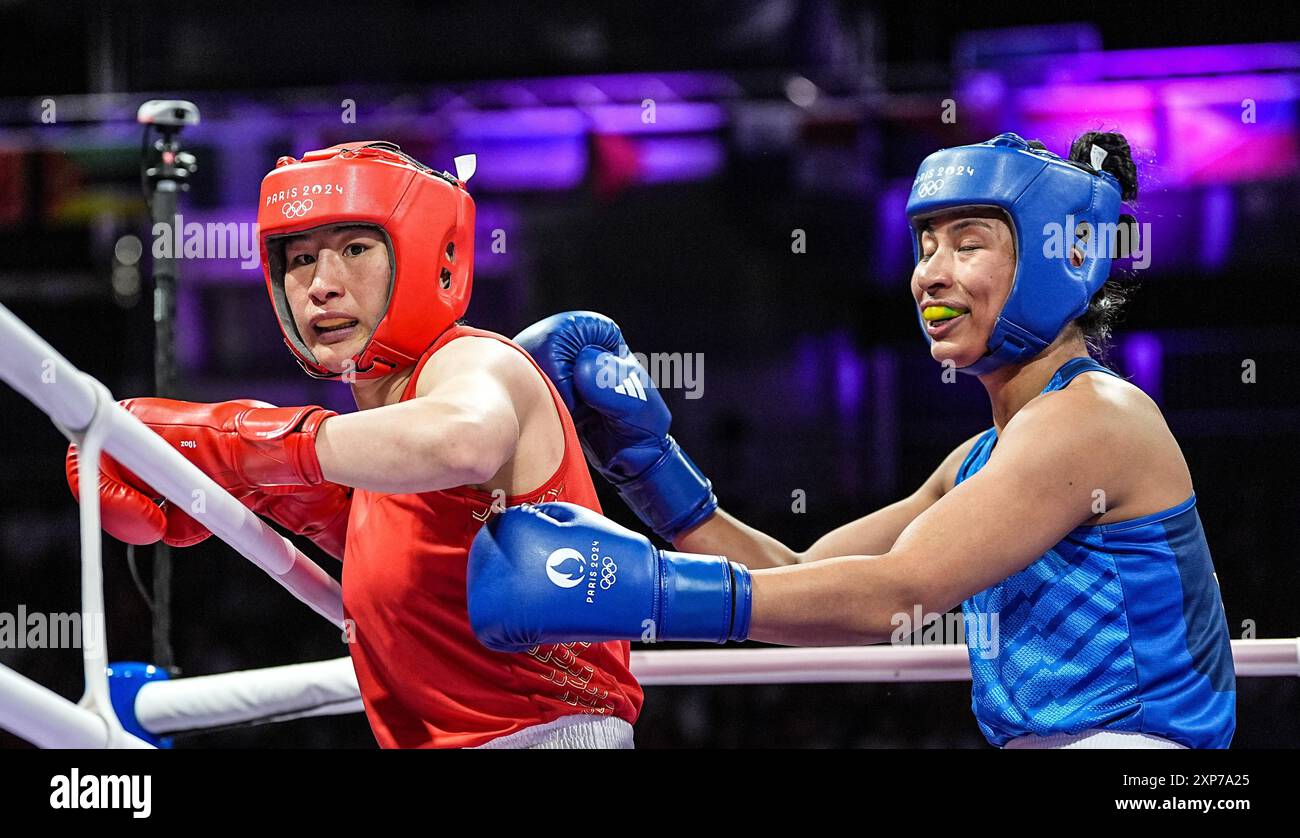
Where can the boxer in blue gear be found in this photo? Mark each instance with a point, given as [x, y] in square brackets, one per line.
[1070, 524]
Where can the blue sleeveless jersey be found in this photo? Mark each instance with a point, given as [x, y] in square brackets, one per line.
[1118, 627]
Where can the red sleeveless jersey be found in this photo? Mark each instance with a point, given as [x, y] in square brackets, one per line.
[426, 681]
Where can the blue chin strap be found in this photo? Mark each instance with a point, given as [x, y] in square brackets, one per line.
[1048, 201]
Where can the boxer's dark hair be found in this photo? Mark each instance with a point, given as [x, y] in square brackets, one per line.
[1104, 310]
[1119, 159]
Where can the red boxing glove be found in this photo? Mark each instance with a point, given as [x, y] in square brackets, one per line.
[131, 510]
[240, 444]
[318, 512]
[244, 446]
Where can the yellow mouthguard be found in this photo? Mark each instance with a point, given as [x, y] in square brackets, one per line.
[933, 313]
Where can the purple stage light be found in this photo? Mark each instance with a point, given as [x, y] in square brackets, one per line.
[669, 118]
[668, 159]
[1143, 362]
[893, 246]
[850, 376]
[519, 124]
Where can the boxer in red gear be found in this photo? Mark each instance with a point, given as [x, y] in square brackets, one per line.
[368, 258]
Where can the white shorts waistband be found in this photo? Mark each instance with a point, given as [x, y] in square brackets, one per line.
[1094, 739]
[570, 732]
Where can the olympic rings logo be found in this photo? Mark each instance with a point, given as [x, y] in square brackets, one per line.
[296, 209]
[608, 573]
[929, 189]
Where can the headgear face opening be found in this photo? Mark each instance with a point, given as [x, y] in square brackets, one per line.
[1036, 189]
[427, 218]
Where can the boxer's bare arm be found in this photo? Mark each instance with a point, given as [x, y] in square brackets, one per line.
[1033, 491]
[876, 533]
[724, 535]
[461, 429]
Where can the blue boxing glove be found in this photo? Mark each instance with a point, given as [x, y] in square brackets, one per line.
[557, 572]
[621, 419]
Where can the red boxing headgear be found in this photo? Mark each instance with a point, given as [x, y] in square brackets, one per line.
[427, 217]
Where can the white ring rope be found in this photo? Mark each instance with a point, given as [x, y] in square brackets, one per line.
[328, 688]
[84, 409]
[48, 720]
[277, 693]
[94, 644]
[33, 368]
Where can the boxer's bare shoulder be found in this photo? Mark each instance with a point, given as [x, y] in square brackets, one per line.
[473, 354]
[1120, 441]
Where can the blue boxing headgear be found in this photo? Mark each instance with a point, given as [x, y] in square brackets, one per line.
[1035, 188]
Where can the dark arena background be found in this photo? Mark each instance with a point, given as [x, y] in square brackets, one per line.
[727, 180]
